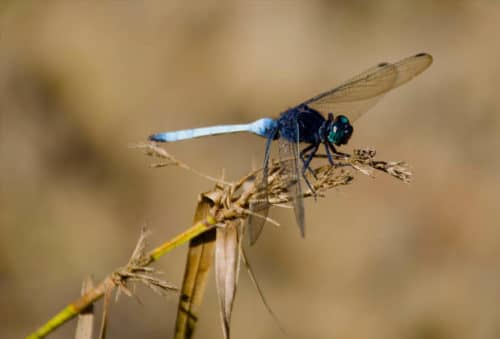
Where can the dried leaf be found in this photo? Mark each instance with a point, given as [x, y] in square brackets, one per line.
[199, 261]
[104, 322]
[85, 323]
[227, 269]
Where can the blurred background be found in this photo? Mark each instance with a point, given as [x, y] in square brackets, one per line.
[81, 81]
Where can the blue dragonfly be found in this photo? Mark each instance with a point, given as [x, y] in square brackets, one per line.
[306, 123]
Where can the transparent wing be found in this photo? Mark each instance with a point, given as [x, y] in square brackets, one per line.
[358, 94]
[259, 206]
[290, 160]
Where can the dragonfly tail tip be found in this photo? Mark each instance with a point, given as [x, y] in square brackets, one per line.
[155, 137]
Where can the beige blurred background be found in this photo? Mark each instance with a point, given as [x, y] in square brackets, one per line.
[80, 81]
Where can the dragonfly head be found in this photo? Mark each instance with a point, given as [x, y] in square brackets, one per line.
[340, 130]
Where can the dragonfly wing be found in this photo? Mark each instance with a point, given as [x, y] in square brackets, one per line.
[290, 160]
[259, 206]
[353, 109]
[410, 67]
[358, 94]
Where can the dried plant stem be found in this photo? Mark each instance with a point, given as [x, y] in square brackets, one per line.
[230, 201]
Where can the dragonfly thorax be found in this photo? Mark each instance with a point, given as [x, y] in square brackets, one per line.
[338, 130]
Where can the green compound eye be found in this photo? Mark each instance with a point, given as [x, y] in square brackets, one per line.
[340, 131]
[332, 136]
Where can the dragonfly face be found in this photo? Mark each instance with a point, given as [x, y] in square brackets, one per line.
[339, 130]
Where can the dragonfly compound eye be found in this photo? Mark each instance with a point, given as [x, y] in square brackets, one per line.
[340, 131]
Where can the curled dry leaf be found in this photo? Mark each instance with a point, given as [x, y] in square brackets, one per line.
[227, 269]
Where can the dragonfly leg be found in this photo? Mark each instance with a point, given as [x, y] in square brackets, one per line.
[311, 188]
[328, 154]
[313, 149]
[334, 150]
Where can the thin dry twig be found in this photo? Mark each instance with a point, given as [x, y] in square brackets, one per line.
[256, 284]
[152, 149]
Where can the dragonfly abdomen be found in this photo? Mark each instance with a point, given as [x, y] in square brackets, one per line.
[260, 127]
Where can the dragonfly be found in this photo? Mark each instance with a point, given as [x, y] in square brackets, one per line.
[324, 119]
